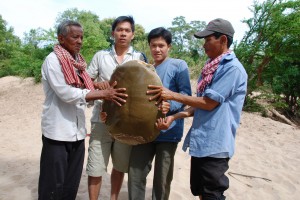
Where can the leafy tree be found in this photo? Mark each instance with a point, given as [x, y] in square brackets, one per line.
[105, 26]
[140, 42]
[8, 42]
[36, 38]
[270, 49]
[28, 60]
[274, 26]
[185, 45]
[179, 29]
[9, 45]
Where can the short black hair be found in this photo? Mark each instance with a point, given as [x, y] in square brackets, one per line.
[63, 27]
[123, 19]
[160, 32]
[229, 38]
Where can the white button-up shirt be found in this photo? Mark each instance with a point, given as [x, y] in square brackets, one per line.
[63, 116]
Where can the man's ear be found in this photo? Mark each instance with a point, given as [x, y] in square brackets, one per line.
[60, 39]
[223, 39]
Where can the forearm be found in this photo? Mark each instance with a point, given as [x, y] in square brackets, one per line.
[93, 95]
[204, 103]
[189, 112]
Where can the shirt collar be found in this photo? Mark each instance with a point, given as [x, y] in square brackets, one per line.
[229, 56]
[130, 50]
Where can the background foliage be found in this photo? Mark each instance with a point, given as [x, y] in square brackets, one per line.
[270, 53]
[269, 49]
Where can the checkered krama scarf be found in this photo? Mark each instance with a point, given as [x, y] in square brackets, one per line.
[69, 64]
[208, 71]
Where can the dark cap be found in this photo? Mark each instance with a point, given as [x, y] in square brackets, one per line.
[217, 25]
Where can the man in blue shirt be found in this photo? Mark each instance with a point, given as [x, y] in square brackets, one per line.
[174, 75]
[217, 109]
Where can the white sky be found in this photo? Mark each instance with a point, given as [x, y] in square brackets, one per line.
[24, 15]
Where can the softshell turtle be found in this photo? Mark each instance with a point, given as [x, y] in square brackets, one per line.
[134, 122]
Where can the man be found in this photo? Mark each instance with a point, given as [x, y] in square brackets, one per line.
[217, 109]
[174, 75]
[67, 88]
[102, 145]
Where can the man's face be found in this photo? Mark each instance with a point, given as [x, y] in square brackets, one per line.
[123, 34]
[72, 42]
[159, 49]
[213, 47]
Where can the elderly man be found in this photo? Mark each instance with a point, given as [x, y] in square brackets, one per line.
[217, 109]
[67, 88]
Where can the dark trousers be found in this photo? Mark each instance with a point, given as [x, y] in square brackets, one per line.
[60, 169]
[208, 177]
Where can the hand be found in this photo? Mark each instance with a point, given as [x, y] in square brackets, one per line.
[103, 116]
[164, 107]
[164, 123]
[115, 95]
[161, 93]
[101, 85]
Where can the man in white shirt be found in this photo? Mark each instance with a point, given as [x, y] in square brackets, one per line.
[102, 145]
[67, 88]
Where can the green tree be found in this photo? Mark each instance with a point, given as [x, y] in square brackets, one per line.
[179, 31]
[105, 26]
[140, 42]
[8, 41]
[270, 49]
[35, 47]
[9, 46]
[185, 45]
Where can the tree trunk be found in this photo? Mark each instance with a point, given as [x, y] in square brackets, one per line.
[282, 118]
[260, 70]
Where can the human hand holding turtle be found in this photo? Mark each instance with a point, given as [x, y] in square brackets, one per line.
[115, 95]
[164, 107]
[164, 123]
[101, 85]
[159, 93]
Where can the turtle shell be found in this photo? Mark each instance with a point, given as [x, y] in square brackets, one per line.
[134, 122]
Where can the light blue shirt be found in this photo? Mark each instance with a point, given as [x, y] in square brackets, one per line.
[213, 132]
[174, 74]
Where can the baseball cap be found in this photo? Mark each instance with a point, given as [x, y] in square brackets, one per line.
[216, 25]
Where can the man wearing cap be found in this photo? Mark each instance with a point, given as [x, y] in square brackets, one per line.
[217, 109]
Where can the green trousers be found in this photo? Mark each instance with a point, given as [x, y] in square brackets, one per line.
[140, 165]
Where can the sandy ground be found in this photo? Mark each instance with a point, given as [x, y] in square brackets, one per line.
[266, 164]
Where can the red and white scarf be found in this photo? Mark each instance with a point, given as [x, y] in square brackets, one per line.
[208, 71]
[68, 63]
